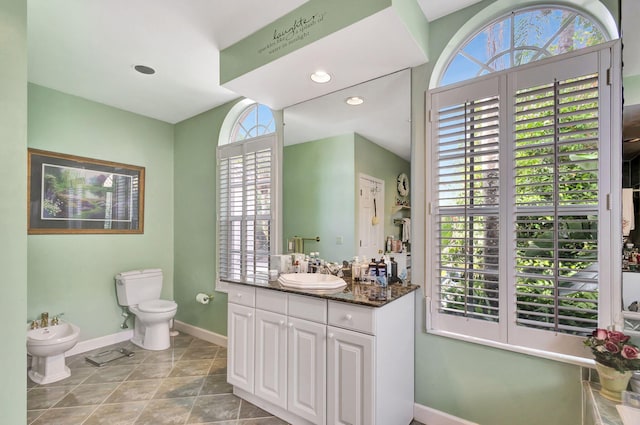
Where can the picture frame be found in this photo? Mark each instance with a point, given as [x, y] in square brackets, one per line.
[75, 195]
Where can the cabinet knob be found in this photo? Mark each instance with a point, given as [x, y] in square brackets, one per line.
[348, 317]
[290, 325]
[249, 314]
[239, 295]
[331, 336]
[281, 322]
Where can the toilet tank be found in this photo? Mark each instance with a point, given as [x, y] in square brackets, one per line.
[137, 286]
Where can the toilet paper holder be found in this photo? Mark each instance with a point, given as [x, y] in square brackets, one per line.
[203, 298]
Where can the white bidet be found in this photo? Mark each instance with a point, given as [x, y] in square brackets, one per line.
[47, 347]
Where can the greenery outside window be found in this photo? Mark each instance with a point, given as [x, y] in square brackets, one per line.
[523, 36]
[517, 207]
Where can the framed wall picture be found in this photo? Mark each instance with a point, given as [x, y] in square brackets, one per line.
[72, 194]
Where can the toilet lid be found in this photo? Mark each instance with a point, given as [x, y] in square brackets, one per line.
[157, 306]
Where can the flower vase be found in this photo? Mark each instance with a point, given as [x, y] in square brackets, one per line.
[612, 382]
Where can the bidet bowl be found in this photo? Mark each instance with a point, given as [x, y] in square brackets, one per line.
[52, 340]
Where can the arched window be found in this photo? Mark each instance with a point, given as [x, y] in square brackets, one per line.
[256, 120]
[520, 235]
[246, 187]
[521, 37]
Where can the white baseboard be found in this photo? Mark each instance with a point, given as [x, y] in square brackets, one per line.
[103, 341]
[430, 416]
[204, 334]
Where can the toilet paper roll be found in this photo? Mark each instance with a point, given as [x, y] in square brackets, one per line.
[202, 298]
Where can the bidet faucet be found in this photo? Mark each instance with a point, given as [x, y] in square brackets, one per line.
[44, 319]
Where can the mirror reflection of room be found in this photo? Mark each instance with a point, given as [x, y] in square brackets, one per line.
[345, 174]
[630, 210]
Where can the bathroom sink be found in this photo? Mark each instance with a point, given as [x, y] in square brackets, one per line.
[311, 281]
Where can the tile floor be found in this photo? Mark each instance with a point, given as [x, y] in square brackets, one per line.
[185, 384]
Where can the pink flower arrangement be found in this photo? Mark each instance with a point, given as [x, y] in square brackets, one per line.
[613, 349]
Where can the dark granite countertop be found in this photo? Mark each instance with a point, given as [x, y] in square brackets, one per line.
[356, 293]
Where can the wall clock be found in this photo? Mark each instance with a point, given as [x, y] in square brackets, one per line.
[403, 184]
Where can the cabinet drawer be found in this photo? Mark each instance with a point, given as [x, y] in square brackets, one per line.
[242, 294]
[352, 316]
[308, 308]
[269, 300]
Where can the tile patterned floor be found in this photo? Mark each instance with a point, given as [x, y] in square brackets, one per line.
[185, 384]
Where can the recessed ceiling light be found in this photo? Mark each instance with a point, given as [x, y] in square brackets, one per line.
[143, 69]
[320, 77]
[354, 100]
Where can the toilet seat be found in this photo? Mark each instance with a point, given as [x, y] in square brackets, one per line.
[157, 306]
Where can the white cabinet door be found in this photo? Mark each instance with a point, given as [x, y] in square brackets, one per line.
[350, 377]
[241, 334]
[271, 357]
[307, 370]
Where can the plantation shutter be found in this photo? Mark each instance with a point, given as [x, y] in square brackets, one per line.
[467, 199]
[516, 211]
[245, 209]
[556, 208]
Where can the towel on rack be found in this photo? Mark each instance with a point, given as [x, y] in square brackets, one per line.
[628, 212]
[406, 229]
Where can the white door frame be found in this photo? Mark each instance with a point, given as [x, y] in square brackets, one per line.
[370, 236]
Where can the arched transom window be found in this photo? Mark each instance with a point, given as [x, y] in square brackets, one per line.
[256, 120]
[521, 37]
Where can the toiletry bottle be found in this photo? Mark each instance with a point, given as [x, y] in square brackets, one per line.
[382, 272]
[373, 271]
[355, 269]
[394, 271]
[364, 271]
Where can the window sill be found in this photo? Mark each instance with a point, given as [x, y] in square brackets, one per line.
[578, 361]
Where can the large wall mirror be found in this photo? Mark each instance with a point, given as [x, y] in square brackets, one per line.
[329, 147]
[631, 165]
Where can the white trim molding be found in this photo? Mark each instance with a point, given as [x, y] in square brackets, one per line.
[102, 341]
[430, 416]
[204, 334]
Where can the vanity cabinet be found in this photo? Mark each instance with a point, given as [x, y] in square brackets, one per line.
[350, 376]
[241, 339]
[319, 361]
[271, 359]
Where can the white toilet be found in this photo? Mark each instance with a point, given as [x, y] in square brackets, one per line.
[139, 290]
[47, 346]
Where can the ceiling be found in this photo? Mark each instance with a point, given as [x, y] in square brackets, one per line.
[383, 118]
[88, 48]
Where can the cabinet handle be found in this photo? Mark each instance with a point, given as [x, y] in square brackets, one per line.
[348, 317]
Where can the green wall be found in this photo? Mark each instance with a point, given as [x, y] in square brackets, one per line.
[318, 195]
[74, 274]
[320, 182]
[196, 140]
[13, 209]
